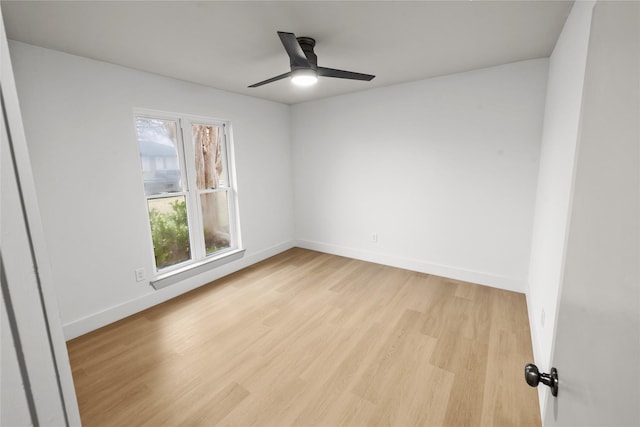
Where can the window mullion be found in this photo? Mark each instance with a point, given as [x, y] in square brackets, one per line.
[231, 215]
[232, 201]
[195, 214]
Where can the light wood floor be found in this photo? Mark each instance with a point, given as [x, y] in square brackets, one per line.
[306, 338]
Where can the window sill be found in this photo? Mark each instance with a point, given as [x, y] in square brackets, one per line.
[166, 279]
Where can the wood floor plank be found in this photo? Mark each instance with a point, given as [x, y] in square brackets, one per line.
[216, 407]
[336, 385]
[350, 411]
[267, 405]
[373, 381]
[398, 404]
[306, 338]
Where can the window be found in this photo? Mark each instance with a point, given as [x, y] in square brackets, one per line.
[188, 175]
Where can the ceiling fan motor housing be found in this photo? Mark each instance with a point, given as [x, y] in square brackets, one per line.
[307, 44]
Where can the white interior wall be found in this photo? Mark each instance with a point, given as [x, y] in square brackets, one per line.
[78, 118]
[555, 179]
[442, 170]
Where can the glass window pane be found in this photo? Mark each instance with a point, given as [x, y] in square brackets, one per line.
[170, 230]
[158, 144]
[215, 218]
[211, 168]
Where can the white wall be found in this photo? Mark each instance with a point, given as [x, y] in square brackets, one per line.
[555, 179]
[443, 170]
[79, 125]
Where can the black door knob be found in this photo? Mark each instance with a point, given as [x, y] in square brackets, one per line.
[533, 377]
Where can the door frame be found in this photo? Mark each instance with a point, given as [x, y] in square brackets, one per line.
[27, 283]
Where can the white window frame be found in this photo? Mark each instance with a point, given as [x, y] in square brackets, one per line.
[199, 261]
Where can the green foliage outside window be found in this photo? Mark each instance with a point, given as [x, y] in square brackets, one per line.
[170, 232]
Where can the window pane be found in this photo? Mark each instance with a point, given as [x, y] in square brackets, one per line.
[170, 230]
[215, 218]
[158, 143]
[211, 168]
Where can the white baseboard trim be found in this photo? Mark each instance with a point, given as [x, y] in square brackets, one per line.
[112, 314]
[97, 320]
[481, 278]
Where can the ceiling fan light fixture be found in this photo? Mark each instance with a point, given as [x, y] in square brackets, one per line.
[304, 64]
[304, 77]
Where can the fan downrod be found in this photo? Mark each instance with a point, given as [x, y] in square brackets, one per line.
[307, 44]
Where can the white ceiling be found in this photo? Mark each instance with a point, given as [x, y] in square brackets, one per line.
[230, 45]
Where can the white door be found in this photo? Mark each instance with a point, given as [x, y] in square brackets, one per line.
[597, 340]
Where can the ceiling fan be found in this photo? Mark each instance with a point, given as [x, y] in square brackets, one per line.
[304, 63]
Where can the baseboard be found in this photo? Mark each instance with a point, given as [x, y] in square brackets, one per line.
[112, 314]
[481, 278]
[97, 320]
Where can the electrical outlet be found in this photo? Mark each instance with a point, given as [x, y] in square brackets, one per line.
[542, 314]
[139, 274]
[374, 237]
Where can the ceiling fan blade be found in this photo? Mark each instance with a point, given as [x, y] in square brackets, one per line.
[295, 52]
[272, 79]
[341, 74]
